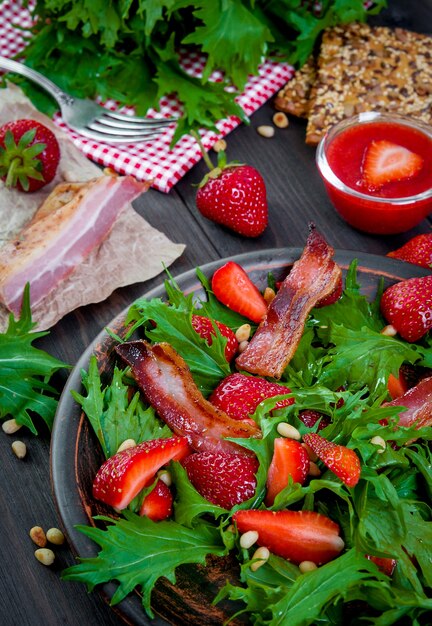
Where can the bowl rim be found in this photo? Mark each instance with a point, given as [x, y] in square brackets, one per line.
[365, 118]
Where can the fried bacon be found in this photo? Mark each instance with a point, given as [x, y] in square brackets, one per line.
[312, 278]
[418, 403]
[168, 386]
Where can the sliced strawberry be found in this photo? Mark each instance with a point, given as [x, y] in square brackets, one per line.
[396, 386]
[342, 461]
[238, 395]
[384, 564]
[204, 327]
[294, 535]
[290, 459]
[123, 475]
[385, 162]
[310, 417]
[407, 305]
[223, 479]
[233, 287]
[417, 251]
[158, 504]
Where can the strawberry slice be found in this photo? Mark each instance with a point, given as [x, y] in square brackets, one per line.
[290, 459]
[204, 327]
[123, 475]
[386, 162]
[417, 251]
[310, 417]
[294, 535]
[342, 461]
[384, 564]
[238, 395]
[233, 287]
[397, 386]
[407, 305]
[158, 504]
[223, 479]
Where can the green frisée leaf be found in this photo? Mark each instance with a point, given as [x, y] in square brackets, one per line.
[26, 372]
[125, 556]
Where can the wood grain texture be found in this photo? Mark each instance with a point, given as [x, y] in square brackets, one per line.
[34, 595]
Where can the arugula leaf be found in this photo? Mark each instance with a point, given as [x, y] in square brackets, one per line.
[113, 416]
[125, 557]
[26, 372]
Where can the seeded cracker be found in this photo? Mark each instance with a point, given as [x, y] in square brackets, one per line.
[294, 97]
[364, 68]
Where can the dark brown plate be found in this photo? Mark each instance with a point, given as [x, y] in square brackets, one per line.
[75, 454]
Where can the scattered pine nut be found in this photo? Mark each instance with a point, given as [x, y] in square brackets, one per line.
[314, 470]
[280, 120]
[127, 443]
[262, 554]
[243, 332]
[231, 528]
[55, 536]
[311, 454]
[248, 539]
[165, 477]
[389, 331]
[268, 294]
[288, 430]
[307, 566]
[242, 346]
[19, 449]
[220, 145]
[266, 131]
[45, 556]
[37, 535]
[11, 426]
[380, 442]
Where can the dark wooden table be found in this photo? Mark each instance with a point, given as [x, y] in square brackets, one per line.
[31, 594]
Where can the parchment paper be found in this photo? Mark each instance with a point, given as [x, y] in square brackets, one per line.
[133, 252]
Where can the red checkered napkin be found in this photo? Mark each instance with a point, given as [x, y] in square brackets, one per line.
[154, 160]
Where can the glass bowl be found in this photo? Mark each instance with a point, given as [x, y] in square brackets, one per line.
[393, 208]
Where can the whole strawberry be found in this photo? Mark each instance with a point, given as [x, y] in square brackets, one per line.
[29, 155]
[234, 196]
[407, 306]
[417, 250]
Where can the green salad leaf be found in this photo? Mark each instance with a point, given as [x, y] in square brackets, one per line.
[26, 372]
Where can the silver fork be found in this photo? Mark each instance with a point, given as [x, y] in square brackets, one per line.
[89, 118]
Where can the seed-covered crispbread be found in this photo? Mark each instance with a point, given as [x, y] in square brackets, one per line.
[364, 68]
[294, 97]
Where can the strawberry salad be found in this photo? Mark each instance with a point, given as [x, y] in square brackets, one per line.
[289, 431]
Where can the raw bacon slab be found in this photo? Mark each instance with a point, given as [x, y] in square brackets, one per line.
[168, 386]
[313, 277]
[73, 220]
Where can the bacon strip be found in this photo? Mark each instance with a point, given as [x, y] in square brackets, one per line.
[73, 220]
[168, 386]
[418, 402]
[313, 277]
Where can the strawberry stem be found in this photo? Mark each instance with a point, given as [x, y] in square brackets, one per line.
[206, 157]
[11, 174]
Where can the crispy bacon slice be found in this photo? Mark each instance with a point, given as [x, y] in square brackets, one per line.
[418, 402]
[168, 386]
[312, 278]
[73, 220]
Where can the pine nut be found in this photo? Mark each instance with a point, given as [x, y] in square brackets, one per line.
[220, 145]
[37, 535]
[19, 449]
[55, 536]
[242, 346]
[262, 554]
[266, 131]
[311, 454]
[389, 331]
[243, 332]
[380, 442]
[45, 556]
[314, 470]
[269, 294]
[248, 539]
[280, 120]
[165, 477]
[11, 426]
[288, 431]
[127, 443]
[307, 566]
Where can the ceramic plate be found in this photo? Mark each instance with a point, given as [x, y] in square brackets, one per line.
[76, 456]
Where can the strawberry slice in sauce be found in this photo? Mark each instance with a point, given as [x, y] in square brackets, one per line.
[385, 162]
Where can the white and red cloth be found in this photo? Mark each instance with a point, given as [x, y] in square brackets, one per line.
[153, 160]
